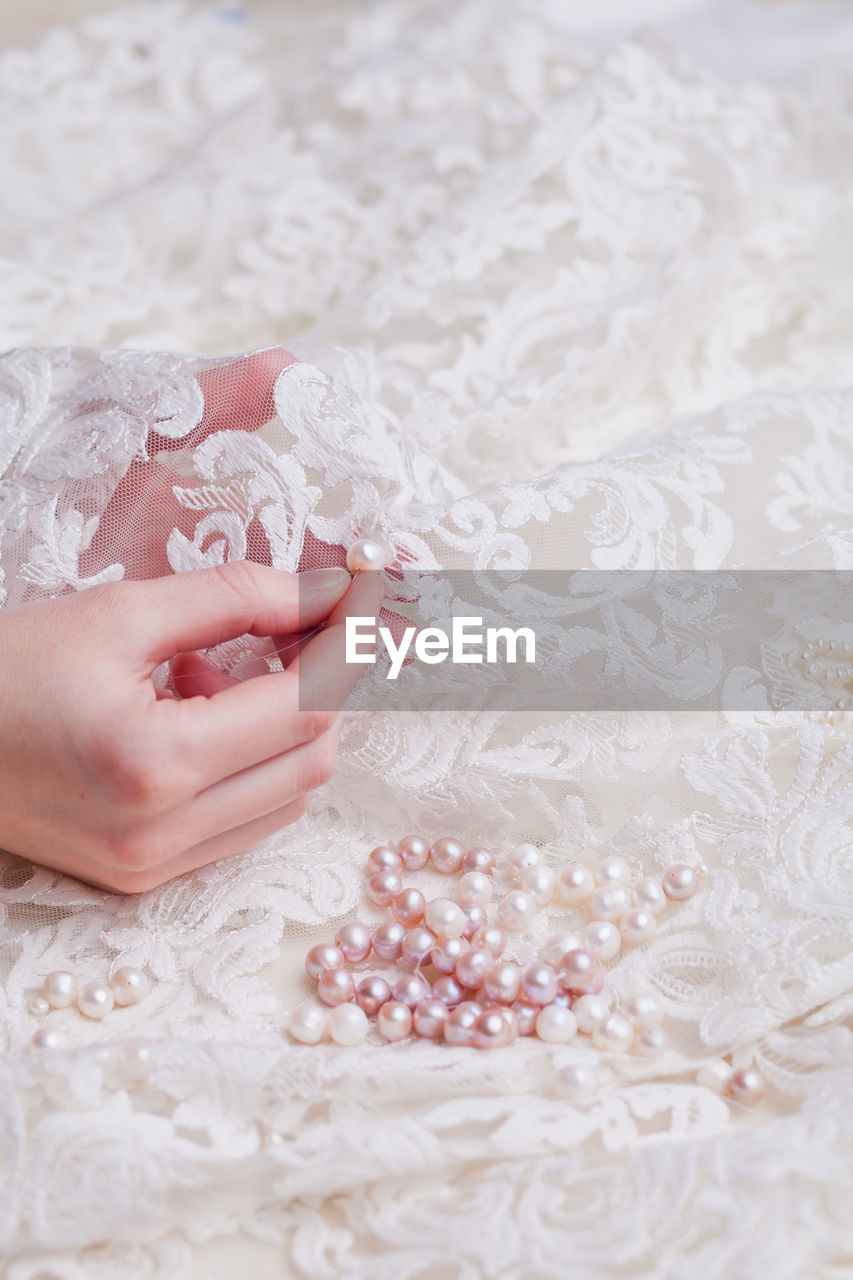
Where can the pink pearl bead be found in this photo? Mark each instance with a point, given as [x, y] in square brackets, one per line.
[476, 918]
[539, 984]
[447, 952]
[680, 883]
[383, 858]
[408, 907]
[336, 987]
[394, 1021]
[503, 983]
[388, 940]
[474, 967]
[510, 1017]
[448, 991]
[429, 1018]
[581, 973]
[479, 860]
[322, 957]
[383, 887]
[354, 941]
[446, 855]
[417, 945]
[410, 989]
[414, 852]
[491, 1030]
[371, 993]
[491, 939]
[527, 1014]
[745, 1085]
[460, 1023]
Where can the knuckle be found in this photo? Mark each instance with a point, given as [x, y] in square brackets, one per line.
[242, 578]
[143, 778]
[322, 763]
[314, 724]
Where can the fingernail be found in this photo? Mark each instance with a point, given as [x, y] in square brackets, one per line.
[327, 581]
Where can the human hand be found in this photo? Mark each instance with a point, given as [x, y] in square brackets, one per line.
[108, 779]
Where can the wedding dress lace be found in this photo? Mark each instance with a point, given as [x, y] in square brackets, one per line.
[554, 302]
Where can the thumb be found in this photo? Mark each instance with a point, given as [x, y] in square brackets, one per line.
[207, 606]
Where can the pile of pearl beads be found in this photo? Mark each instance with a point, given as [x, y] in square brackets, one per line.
[60, 990]
[478, 998]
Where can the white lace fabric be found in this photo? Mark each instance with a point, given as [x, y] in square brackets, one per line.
[552, 306]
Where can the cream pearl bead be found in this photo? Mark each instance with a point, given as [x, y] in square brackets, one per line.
[336, 986]
[475, 889]
[609, 902]
[38, 1006]
[136, 1058]
[574, 885]
[650, 1042]
[491, 939]
[644, 1012]
[479, 859]
[445, 917]
[577, 1080]
[308, 1023]
[354, 942]
[540, 882]
[746, 1085]
[603, 938]
[476, 917]
[516, 911]
[527, 1014]
[614, 1034]
[589, 1011]
[680, 883]
[558, 944]
[60, 989]
[95, 999]
[459, 1025]
[47, 1038]
[648, 893]
[367, 555]
[556, 1025]
[129, 985]
[446, 855]
[612, 870]
[348, 1024]
[637, 926]
[714, 1074]
[414, 852]
[394, 1021]
[521, 859]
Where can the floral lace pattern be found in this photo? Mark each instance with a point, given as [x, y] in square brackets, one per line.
[557, 309]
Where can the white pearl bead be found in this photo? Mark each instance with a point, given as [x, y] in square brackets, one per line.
[714, 1074]
[95, 1000]
[475, 889]
[648, 893]
[609, 902]
[540, 882]
[612, 870]
[680, 883]
[368, 554]
[574, 885]
[347, 1024]
[38, 1006]
[577, 1080]
[47, 1038]
[516, 911]
[650, 1043]
[614, 1034]
[59, 989]
[521, 858]
[136, 1058]
[556, 1024]
[559, 944]
[603, 938]
[644, 1012]
[308, 1023]
[589, 1011]
[636, 926]
[746, 1085]
[445, 917]
[129, 986]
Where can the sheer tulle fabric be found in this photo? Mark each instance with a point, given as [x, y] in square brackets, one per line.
[554, 310]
